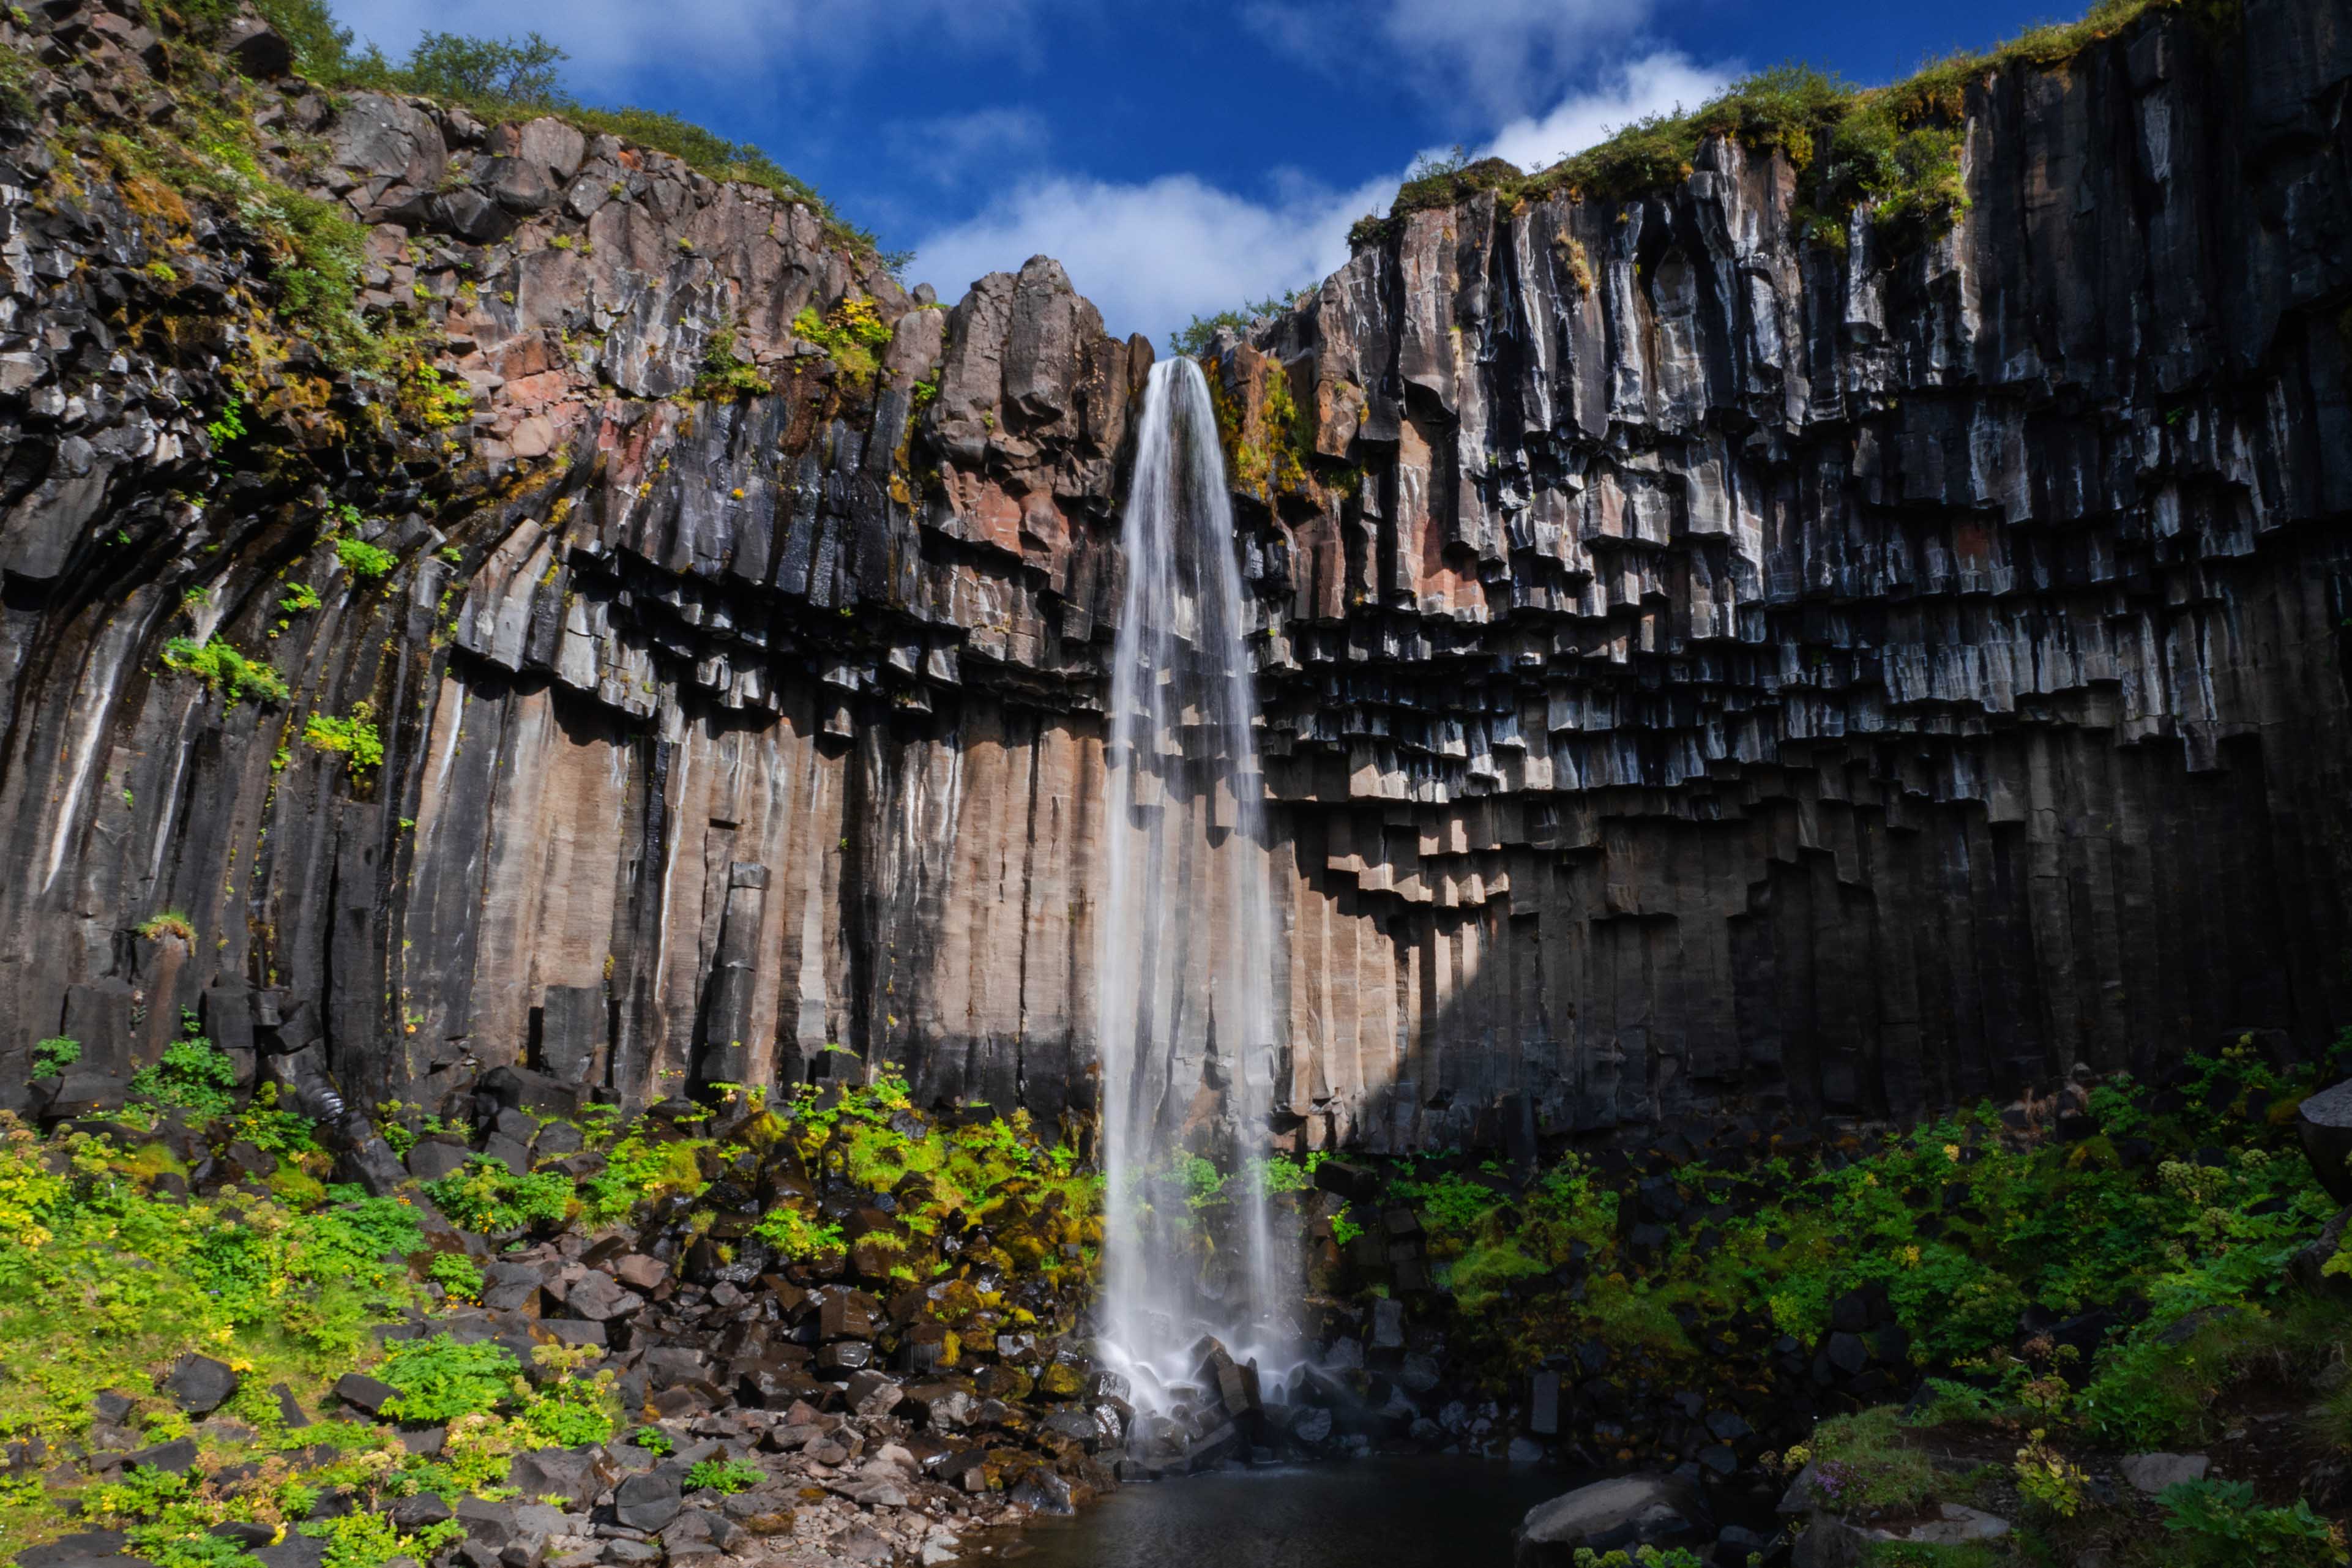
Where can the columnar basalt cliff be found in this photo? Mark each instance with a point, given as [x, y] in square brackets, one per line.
[1703, 667]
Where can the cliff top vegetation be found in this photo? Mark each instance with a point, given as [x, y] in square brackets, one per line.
[1896, 147]
[507, 78]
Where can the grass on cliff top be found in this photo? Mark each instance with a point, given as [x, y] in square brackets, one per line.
[1895, 146]
[500, 80]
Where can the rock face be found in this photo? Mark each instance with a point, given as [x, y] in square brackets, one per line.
[1701, 665]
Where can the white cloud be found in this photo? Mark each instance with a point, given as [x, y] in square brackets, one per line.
[1472, 60]
[1501, 52]
[611, 40]
[1152, 256]
[1655, 84]
[987, 142]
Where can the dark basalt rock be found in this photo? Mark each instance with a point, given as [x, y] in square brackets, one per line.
[1698, 664]
[199, 1384]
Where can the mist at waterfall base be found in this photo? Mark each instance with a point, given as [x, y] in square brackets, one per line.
[1185, 966]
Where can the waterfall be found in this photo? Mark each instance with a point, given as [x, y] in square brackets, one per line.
[1185, 965]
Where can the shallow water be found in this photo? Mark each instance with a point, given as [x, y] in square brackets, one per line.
[1366, 1513]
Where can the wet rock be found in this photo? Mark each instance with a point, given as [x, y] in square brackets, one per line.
[1652, 1511]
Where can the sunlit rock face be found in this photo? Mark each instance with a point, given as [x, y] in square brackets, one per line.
[1700, 668]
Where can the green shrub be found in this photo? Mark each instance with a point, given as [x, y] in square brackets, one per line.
[570, 1410]
[486, 1196]
[456, 1273]
[53, 1056]
[168, 922]
[361, 559]
[850, 333]
[353, 739]
[796, 1236]
[2221, 1526]
[729, 1476]
[1191, 339]
[195, 1074]
[440, 1380]
[363, 1539]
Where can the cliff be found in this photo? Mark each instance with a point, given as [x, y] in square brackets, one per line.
[1706, 666]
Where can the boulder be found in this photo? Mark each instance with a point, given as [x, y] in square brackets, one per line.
[2151, 1473]
[178, 1457]
[200, 1385]
[433, 1158]
[364, 1393]
[1627, 1510]
[570, 1474]
[89, 1549]
[2323, 1123]
[650, 1500]
[256, 48]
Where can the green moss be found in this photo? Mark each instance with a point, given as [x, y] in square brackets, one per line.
[168, 922]
[1867, 1461]
[224, 669]
[724, 377]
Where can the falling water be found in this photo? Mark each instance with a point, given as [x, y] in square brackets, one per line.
[1185, 982]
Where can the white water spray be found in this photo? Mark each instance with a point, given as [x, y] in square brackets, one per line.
[1185, 968]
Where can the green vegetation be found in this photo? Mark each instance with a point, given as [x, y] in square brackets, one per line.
[224, 669]
[456, 1274]
[850, 333]
[169, 922]
[1895, 148]
[1193, 338]
[54, 1055]
[509, 78]
[724, 377]
[440, 1380]
[100, 1276]
[354, 739]
[195, 1074]
[300, 596]
[486, 1196]
[2220, 1525]
[728, 1476]
[2174, 1214]
[361, 559]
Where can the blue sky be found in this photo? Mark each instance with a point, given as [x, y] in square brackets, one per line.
[1177, 157]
